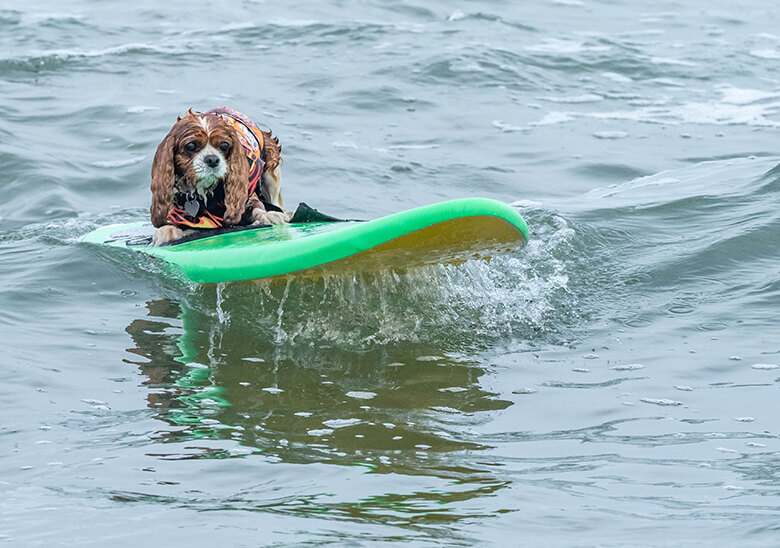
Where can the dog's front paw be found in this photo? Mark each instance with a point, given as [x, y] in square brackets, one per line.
[264, 217]
[167, 233]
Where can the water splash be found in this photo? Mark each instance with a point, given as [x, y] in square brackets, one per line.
[525, 295]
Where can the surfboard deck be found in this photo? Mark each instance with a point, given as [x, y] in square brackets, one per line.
[447, 232]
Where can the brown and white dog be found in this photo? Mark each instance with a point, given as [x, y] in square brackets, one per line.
[215, 169]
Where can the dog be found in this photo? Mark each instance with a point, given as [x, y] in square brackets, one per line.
[215, 169]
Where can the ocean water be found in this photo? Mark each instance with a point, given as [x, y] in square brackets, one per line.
[616, 383]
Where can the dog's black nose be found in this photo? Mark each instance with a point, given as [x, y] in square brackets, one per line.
[212, 160]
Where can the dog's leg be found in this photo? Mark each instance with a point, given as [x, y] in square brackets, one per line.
[168, 233]
[261, 216]
[272, 187]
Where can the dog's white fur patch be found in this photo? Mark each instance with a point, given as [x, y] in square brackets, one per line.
[207, 176]
[204, 123]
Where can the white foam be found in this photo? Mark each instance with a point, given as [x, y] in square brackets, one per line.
[610, 135]
[464, 66]
[765, 366]
[661, 402]
[628, 367]
[584, 98]
[341, 423]
[526, 204]
[736, 107]
[141, 109]
[513, 295]
[66, 54]
[320, 431]
[737, 96]
[670, 61]
[765, 53]
[615, 77]
[508, 128]
[456, 15]
[555, 117]
[558, 46]
[361, 395]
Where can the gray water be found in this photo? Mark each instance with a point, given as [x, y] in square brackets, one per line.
[613, 384]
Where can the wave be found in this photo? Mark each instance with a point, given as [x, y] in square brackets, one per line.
[698, 239]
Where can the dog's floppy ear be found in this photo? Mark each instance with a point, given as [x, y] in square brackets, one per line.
[236, 181]
[162, 181]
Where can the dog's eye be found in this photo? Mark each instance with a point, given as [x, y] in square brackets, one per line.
[192, 146]
[224, 146]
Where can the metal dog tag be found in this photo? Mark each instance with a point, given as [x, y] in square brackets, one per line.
[192, 207]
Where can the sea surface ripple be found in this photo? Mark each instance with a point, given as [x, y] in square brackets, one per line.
[613, 384]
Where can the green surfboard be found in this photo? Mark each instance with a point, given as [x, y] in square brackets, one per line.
[447, 232]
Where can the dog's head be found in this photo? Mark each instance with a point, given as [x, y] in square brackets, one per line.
[200, 152]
